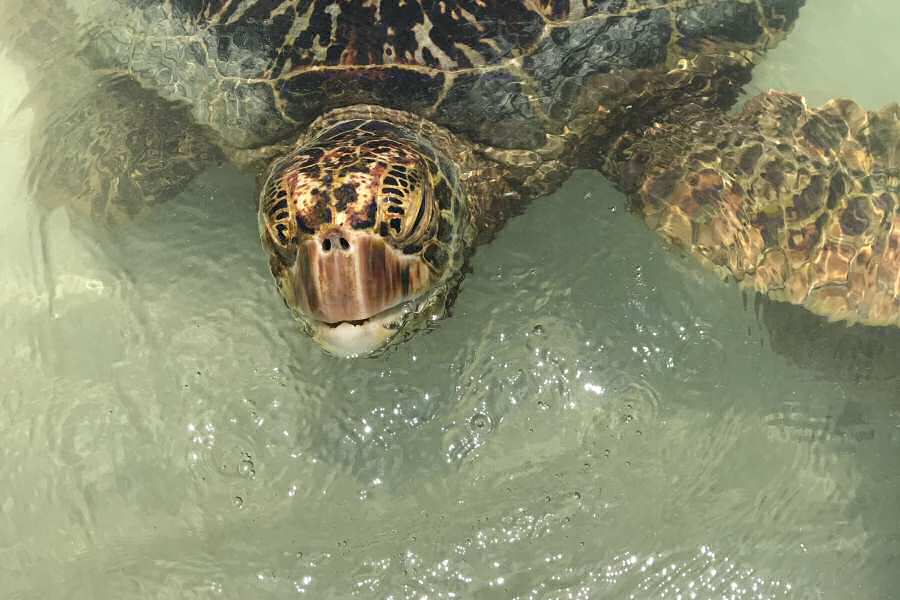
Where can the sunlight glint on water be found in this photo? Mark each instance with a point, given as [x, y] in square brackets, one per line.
[599, 418]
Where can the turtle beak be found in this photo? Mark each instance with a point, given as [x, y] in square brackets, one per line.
[353, 288]
[353, 341]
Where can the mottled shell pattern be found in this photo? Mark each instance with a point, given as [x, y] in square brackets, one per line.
[504, 73]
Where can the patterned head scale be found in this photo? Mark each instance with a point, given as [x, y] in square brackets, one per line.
[364, 225]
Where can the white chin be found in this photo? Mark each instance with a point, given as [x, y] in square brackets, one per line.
[350, 341]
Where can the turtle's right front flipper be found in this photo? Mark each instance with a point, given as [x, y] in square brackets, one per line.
[797, 203]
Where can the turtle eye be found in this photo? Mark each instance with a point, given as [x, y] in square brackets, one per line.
[274, 206]
[408, 207]
[282, 242]
[277, 224]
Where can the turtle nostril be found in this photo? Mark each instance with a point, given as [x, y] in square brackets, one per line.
[334, 241]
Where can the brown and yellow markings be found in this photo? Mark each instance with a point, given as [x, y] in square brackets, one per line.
[365, 182]
[231, 11]
[808, 211]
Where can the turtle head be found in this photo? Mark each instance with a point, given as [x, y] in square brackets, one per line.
[365, 226]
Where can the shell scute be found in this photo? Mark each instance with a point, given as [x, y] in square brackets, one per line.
[310, 93]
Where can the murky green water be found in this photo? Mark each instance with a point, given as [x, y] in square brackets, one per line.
[598, 419]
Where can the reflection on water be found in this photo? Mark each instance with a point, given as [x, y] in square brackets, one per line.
[599, 418]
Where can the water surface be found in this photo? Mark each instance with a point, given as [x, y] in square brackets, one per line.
[600, 418]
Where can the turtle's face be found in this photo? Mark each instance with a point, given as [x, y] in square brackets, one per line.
[364, 226]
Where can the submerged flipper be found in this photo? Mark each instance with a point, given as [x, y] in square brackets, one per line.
[101, 145]
[800, 204]
[115, 151]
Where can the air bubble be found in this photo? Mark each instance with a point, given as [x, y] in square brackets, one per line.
[538, 329]
[237, 501]
[479, 421]
[246, 469]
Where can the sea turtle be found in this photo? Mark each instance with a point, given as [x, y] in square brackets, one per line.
[392, 136]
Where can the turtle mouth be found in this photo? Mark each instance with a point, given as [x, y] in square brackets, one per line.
[390, 316]
[356, 323]
[363, 337]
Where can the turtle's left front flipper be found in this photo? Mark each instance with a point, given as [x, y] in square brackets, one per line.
[800, 204]
[101, 145]
[114, 151]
